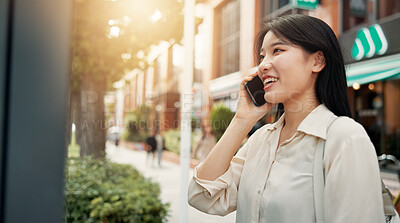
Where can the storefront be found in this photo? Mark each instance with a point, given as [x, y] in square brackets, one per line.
[372, 57]
[225, 89]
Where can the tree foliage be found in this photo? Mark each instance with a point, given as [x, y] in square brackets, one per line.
[109, 34]
[110, 38]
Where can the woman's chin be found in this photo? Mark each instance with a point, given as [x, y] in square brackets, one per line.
[271, 97]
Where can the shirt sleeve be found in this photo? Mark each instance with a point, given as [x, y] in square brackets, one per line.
[218, 197]
[353, 184]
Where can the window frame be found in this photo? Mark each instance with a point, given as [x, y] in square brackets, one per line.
[222, 44]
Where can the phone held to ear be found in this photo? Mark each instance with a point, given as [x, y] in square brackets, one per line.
[255, 89]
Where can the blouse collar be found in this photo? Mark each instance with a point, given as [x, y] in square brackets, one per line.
[315, 123]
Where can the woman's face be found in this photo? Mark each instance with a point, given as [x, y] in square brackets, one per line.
[208, 129]
[286, 70]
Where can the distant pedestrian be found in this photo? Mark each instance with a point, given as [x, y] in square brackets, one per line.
[271, 178]
[204, 144]
[151, 147]
[159, 146]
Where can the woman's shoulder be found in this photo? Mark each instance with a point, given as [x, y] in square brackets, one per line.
[347, 140]
[344, 128]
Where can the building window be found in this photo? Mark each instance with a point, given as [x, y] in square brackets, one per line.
[270, 9]
[270, 6]
[388, 7]
[228, 28]
[355, 12]
[359, 12]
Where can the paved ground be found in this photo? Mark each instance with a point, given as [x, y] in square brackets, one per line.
[169, 179]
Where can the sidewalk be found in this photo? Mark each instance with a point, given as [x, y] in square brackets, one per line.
[169, 179]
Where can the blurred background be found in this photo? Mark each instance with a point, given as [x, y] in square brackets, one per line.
[86, 83]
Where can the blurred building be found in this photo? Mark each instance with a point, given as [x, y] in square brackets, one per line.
[128, 96]
[371, 43]
[231, 26]
[163, 92]
[156, 86]
[224, 55]
[230, 29]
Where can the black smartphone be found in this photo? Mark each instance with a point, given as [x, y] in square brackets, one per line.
[255, 89]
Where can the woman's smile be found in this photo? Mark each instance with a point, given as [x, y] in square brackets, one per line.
[268, 84]
[269, 81]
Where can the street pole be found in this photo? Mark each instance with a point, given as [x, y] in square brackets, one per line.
[186, 107]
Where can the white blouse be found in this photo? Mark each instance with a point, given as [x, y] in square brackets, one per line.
[265, 184]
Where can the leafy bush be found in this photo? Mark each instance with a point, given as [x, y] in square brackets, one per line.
[196, 123]
[102, 191]
[136, 124]
[130, 135]
[172, 139]
[220, 118]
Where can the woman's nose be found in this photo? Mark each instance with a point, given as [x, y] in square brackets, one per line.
[264, 66]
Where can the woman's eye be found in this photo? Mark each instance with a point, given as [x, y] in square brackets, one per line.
[261, 58]
[277, 50]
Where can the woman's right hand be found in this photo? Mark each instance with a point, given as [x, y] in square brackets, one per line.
[246, 110]
[247, 114]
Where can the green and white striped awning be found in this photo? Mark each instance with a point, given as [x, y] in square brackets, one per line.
[373, 70]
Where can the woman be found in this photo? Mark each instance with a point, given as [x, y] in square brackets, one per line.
[270, 179]
[204, 144]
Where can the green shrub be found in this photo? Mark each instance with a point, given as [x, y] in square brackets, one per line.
[133, 136]
[172, 140]
[102, 191]
[136, 124]
[220, 118]
[196, 123]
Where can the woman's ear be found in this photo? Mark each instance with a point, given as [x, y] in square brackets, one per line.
[319, 61]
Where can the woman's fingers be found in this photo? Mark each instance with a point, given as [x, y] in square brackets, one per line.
[248, 78]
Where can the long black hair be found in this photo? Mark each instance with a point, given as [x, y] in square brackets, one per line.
[312, 34]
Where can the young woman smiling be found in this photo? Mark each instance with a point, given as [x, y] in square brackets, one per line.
[270, 179]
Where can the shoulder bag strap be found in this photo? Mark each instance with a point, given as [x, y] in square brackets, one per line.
[319, 182]
[388, 206]
[319, 177]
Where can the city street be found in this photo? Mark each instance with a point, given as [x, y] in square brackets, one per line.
[168, 176]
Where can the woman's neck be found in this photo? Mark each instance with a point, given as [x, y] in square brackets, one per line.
[296, 111]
